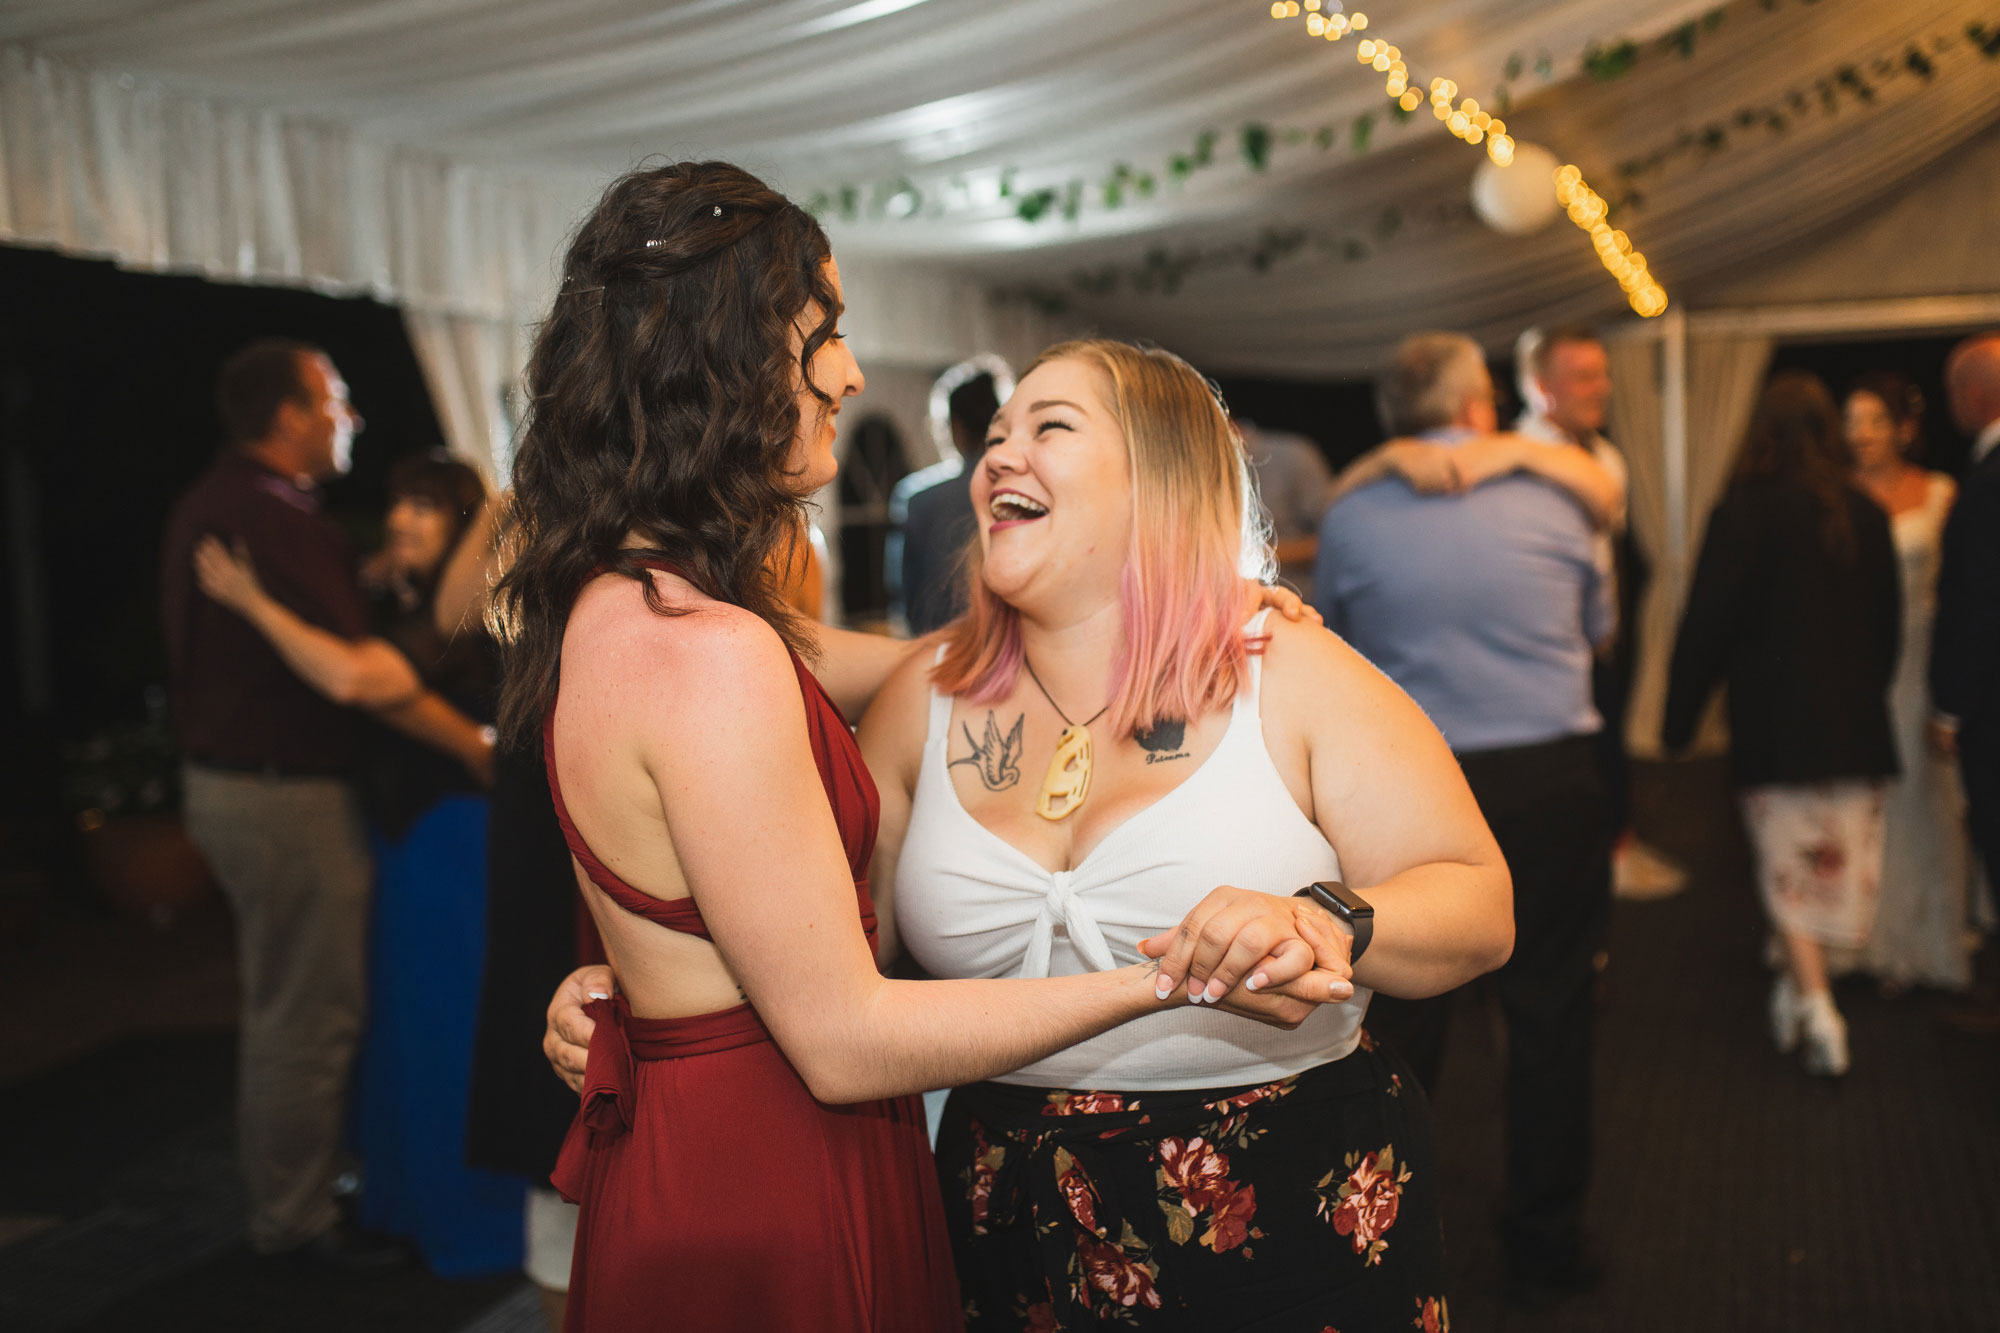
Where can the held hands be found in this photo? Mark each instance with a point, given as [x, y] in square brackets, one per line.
[227, 576]
[566, 1042]
[1255, 955]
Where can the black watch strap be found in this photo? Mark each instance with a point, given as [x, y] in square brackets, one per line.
[1349, 906]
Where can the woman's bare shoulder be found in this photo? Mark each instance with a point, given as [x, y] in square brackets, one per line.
[695, 645]
[1313, 679]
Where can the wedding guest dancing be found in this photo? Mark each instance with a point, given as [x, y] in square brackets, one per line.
[1298, 1173]
[1795, 603]
[426, 810]
[264, 699]
[1486, 602]
[748, 1153]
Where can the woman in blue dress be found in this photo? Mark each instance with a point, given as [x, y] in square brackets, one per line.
[427, 808]
[429, 816]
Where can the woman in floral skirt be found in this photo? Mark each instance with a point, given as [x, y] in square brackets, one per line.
[1795, 603]
[1189, 1171]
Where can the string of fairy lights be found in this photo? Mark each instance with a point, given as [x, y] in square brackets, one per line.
[1469, 122]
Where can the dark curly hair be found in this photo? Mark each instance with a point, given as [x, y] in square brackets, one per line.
[663, 403]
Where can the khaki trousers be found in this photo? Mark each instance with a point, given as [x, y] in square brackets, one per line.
[292, 856]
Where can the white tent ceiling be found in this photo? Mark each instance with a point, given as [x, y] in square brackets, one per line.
[518, 110]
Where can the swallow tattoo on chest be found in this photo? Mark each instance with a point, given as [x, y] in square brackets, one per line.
[997, 759]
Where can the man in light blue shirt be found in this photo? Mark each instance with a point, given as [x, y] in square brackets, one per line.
[1485, 606]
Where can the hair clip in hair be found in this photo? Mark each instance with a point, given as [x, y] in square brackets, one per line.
[569, 288]
[651, 244]
[718, 210]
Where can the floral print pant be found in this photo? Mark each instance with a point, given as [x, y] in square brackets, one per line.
[1301, 1206]
[1819, 856]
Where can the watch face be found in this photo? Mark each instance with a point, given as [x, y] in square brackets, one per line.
[1344, 900]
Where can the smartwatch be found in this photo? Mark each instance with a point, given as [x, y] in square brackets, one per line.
[1349, 906]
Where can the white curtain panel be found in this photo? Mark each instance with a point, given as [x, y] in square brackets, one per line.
[1724, 378]
[435, 152]
[117, 166]
[472, 368]
[1635, 428]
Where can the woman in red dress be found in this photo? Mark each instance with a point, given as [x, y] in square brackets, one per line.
[748, 1154]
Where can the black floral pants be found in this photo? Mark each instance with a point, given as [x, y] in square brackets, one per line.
[1301, 1206]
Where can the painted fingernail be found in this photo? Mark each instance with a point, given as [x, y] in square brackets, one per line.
[1215, 991]
[1164, 986]
[1194, 991]
[1257, 982]
[599, 995]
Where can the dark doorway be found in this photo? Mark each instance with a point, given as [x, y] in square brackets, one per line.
[106, 415]
[1922, 359]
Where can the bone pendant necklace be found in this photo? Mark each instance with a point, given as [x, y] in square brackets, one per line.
[1067, 783]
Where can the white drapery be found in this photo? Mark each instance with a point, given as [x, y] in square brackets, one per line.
[435, 153]
[472, 369]
[118, 166]
[1672, 497]
[121, 167]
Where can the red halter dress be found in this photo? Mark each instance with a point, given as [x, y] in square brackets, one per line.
[716, 1193]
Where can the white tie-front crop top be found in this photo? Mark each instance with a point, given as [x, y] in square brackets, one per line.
[970, 904]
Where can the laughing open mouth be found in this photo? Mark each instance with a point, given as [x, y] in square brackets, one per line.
[1013, 507]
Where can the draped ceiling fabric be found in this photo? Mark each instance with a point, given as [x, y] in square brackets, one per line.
[435, 152]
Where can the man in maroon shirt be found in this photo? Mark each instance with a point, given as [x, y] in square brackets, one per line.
[267, 754]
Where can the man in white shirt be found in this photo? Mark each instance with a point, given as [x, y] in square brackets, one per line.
[1564, 376]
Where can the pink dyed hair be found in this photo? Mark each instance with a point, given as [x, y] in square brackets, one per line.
[1194, 531]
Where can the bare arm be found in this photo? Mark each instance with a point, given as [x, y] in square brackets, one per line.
[1388, 794]
[1428, 468]
[368, 673]
[1577, 471]
[722, 734]
[469, 573]
[431, 719]
[852, 665]
[1441, 469]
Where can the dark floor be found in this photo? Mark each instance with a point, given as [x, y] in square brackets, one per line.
[1732, 1192]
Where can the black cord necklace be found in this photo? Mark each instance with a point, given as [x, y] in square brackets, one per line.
[1067, 782]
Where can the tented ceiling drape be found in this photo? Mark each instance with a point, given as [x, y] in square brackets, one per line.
[1763, 196]
[435, 151]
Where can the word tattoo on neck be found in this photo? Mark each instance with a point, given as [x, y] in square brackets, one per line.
[997, 760]
[1163, 742]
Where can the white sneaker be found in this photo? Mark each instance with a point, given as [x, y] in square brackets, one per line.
[1784, 1014]
[1825, 1033]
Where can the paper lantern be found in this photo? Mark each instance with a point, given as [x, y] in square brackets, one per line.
[1519, 198]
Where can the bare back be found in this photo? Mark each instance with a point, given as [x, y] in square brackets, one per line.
[610, 649]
